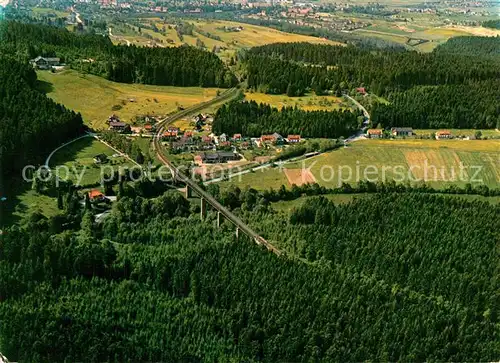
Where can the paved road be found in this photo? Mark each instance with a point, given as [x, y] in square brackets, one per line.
[47, 161]
[88, 134]
[193, 185]
[117, 37]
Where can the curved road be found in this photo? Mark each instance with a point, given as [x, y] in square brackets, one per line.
[177, 174]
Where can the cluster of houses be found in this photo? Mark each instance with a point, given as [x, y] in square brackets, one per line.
[115, 124]
[395, 131]
[189, 142]
[405, 131]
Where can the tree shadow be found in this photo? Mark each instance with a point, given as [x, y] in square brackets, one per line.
[69, 152]
[44, 87]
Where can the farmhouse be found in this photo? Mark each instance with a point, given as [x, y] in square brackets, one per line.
[45, 63]
[374, 133]
[170, 134]
[361, 90]
[267, 138]
[402, 131]
[100, 159]
[218, 157]
[292, 139]
[96, 196]
[278, 138]
[113, 118]
[443, 134]
[119, 126]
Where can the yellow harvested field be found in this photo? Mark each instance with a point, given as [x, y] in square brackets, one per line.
[230, 41]
[475, 30]
[309, 102]
[253, 35]
[299, 176]
[426, 164]
[97, 98]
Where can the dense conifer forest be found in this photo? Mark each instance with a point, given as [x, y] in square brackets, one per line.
[473, 105]
[471, 46]
[252, 119]
[31, 124]
[458, 78]
[176, 66]
[393, 277]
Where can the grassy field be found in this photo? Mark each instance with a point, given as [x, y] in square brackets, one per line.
[22, 201]
[47, 12]
[309, 102]
[437, 162]
[96, 98]
[261, 180]
[461, 132]
[78, 158]
[288, 205]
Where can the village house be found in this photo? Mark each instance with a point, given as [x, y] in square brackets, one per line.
[100, 159]
[267, 139]
[237, 137]
[217, 157]
[45, 63]
[148, 128]
[206, 139]
[113, 118]
[136, 129]
[361, 90]
[225, 144]
[96, 196]
[119, 126]
[293, 139]
[173, 129]
[443, 134]
[402, 131]
[375, 133]
[169, 134]
[188, 134]
[222, 138]
[180, 145]
[278, 139]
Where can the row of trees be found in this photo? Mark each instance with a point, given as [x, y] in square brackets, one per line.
[152, 283]
[252, 119]
[177, 66]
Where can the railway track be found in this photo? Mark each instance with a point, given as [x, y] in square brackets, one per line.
[180, 176]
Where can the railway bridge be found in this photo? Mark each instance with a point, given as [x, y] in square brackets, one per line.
[193, 188]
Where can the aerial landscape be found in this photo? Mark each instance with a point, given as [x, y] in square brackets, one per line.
[249, 181]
